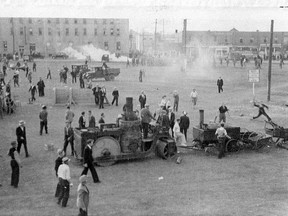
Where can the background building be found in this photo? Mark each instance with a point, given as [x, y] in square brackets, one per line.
[51, 35]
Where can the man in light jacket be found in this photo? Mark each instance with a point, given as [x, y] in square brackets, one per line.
[83, 196]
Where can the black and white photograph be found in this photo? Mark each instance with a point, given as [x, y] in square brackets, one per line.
[149, 108]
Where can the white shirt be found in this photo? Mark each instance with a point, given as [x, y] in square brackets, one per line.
[221, 132]
[64, 172]
[193, 94]
[176, 128]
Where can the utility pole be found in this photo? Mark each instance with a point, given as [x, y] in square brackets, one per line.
[155, 38]
[13, 35]
[270, 61]
[163, 28]
[184, 34]
[143, 41]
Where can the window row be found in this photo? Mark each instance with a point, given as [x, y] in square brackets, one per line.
[67, 31]
[66, 21]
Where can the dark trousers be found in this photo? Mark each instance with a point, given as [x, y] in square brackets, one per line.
[220, 88]
[43, 124]
[33, 97]
[101, 104]
[34, 69]
[175, 107]
[66, 144]
[58, 189]
[92, 170]
[82, 84]
[115, 99]
[140, 78]
[96, 99]
[184, 131]
[49, 75]
[221, 147]
[64, 192]
[171, 126]
[74, 79]
[142, 105]
[15, 173]
[262, 113]
[82, 212]
[145, 127]
[25, 147]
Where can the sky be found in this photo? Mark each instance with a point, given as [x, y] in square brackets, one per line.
[214, 15]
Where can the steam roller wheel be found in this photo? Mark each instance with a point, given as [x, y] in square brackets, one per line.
[105, 150]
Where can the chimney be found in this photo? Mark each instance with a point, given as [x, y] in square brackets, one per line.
[201, 112]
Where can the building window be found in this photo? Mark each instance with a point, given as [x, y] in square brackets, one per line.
[21, 20]
[104, 21]
[226, 40]
[76, 31]
[251, 40]
[66, 21]
[48, 21]
[84, 21]
[75, 21]
[57, 20]
[276, 40]
[118, 21]
[241, 40]
[95, 21]
[40, 31]
[49, 31]
[21, 31]
[104, 31]
[11, 20]
[118, 45]
[84, 31]
[5, 45]
[30, 20]
[112, 22]
[118, 32]
[106, 45]
[67, 31]
[31, 31]
[95, 31]
[265, 40]
[111, 31]
[58, 32]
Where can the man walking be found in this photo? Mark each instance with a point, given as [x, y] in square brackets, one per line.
[221, 134]
[69, 115]
[184, 124]
[115, 95]
[21, 137]
[194, 97]
[88, 161]
[68, 138]
[142, 99]
[43, 119]
[220, 84]
[33, 91]
[34, 66]
[49, 74]
[64, 179]
[15, 165]
[41, 87]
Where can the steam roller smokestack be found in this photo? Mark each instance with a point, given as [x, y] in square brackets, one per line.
[128, 110]
[201, 112]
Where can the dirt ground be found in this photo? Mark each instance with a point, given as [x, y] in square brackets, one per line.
[244, 183]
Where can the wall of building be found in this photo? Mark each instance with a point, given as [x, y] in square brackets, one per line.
[51, 35]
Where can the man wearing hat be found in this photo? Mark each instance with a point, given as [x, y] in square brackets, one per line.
[88, 161]
[58, 162]
[184, 124]
[64, 179]
[15, 164]
[146, 117]
[43, 119]
[115, 95]
[21, 137]
[83, 196]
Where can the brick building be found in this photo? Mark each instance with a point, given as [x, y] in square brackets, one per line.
[51, 35]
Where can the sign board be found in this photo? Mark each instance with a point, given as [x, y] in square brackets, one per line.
[254, 76]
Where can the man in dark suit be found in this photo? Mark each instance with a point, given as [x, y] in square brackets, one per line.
[101, 120]
[171, 116]
[96, 91]
[21, 137]
[88, 161]
[68, 138]
[142, 100]
[220, 84]
[184, 124]
[91, 120]
[82, 121]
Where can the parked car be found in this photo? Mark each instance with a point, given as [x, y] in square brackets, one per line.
[60, 55]
[37, 55]
[77, 67]
[108, 74]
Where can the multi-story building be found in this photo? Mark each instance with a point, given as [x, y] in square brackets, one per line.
[51, 35]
